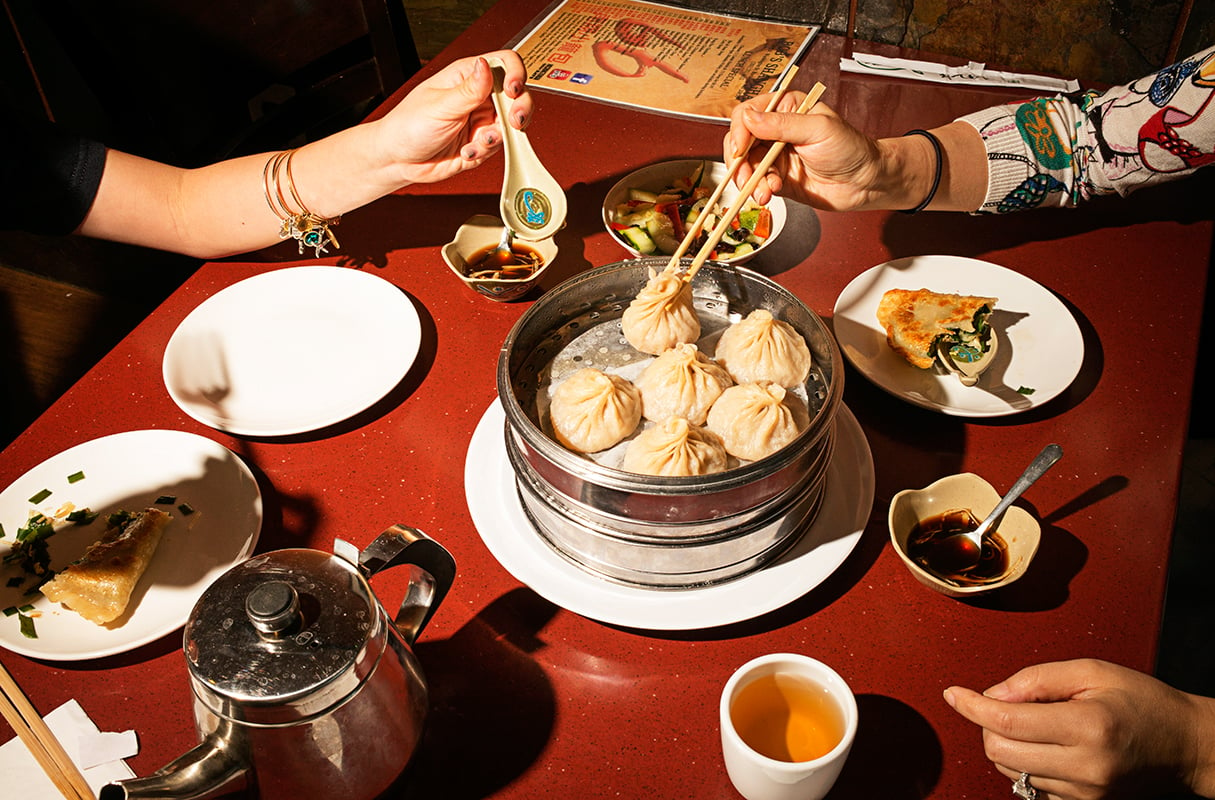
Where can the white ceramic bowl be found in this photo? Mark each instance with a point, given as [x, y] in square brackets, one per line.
[1020, 531]
[480, 232]
[657, 177]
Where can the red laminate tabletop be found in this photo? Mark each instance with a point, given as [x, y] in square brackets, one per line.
[531, 700]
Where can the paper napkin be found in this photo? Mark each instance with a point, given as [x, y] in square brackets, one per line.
[99, 755]
[971, 74]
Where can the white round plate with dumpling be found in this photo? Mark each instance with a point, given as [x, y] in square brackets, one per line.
[1041, 347]
[498, 514]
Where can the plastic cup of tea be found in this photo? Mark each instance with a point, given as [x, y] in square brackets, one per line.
[787, 724]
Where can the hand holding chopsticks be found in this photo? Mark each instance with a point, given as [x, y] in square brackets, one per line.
[40, 741]
[699, 224]
[723, 224]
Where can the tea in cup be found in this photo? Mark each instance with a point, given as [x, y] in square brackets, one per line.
[787, 724]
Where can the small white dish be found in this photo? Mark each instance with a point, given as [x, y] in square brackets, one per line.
[497, 513]
[657, 177]
[130, 471]
[291, 351]
[1018, 528]
[482, 231]
[1041, 347]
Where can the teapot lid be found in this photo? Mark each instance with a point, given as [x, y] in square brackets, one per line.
[283, 637]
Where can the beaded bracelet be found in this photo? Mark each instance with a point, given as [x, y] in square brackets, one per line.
[302, 225]
[936, 177]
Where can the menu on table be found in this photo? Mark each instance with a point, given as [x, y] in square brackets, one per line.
[658, 58]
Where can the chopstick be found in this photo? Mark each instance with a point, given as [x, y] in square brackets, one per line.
[39, 740]
[727, 217]
[699, 225]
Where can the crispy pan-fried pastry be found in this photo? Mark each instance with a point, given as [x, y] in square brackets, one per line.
[98, 585]
[916, 319]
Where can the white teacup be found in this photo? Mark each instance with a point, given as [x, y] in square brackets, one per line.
[787, 724]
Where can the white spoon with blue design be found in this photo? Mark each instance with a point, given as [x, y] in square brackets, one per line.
[533, 204]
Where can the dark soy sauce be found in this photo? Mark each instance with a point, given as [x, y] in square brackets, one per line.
[928, 546]
[522, 262]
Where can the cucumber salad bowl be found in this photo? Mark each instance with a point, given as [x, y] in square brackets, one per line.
[649, 210]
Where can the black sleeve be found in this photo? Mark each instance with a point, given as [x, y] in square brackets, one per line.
[49, 177]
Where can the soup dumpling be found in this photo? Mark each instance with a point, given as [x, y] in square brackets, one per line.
[675, 447]
[755, 420]
[592, 410]
[661, 315]
[763, 348]
[682, 382]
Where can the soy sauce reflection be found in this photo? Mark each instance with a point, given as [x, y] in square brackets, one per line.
[484, 264]
[927, 547]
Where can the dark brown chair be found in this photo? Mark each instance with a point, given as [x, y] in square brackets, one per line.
[190, 83]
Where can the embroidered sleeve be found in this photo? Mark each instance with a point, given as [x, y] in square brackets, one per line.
[1059, 151]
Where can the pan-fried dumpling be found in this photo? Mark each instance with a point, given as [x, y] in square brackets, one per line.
[661, 315]
[675, 447]
[592, 410]
[682, 382]
[757, 419]
[98, 585]
[763, 348]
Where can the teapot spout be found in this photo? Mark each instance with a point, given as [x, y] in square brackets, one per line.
[217, 766]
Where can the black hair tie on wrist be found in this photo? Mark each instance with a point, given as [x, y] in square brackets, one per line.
[936, 177]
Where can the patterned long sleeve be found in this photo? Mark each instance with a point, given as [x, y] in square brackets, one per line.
[1058, 151]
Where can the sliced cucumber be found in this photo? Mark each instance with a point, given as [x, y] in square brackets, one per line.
[639, 239]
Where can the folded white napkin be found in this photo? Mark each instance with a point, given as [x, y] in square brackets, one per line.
[99, 755]
[972, 74]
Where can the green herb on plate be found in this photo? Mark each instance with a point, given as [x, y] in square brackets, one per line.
[166, 500]
[76, 477]
[42, 495]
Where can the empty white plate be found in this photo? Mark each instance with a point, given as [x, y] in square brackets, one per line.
[291, 351]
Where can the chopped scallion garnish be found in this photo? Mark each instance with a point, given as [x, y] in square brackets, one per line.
[8, 612]
[76, 477]
[82, 516]
[166, 500]
[42, 495]
[27, 627]
[186, 509]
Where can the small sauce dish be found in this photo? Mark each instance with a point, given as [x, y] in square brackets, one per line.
[911, 508]
[482, 233]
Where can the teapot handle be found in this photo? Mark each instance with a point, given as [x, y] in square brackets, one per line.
[435, 570]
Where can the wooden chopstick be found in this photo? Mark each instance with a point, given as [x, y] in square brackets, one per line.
[727, 217]
[699, 225]
[39, 740]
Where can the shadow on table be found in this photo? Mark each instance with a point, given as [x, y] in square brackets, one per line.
[896, 736]
[476, 741]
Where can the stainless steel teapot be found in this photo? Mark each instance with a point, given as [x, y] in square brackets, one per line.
[303, 686]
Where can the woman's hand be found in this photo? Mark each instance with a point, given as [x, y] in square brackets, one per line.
[448, 124]
[1090, 729]
[827, 163]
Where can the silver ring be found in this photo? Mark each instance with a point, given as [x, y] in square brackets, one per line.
[1023, 789]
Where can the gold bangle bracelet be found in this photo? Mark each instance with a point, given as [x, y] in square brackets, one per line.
[299, 223]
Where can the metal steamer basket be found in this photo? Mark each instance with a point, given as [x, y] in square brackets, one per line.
[644, 530]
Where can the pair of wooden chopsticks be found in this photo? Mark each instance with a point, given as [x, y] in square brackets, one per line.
[39, 740]
[727, 217]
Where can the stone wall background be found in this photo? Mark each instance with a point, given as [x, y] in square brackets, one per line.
[1095, 41]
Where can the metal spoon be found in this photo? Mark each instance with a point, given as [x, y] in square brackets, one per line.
[503, 254]
[533, 203]
[961, 551]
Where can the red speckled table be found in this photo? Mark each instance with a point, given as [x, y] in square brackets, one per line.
[530, 700]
